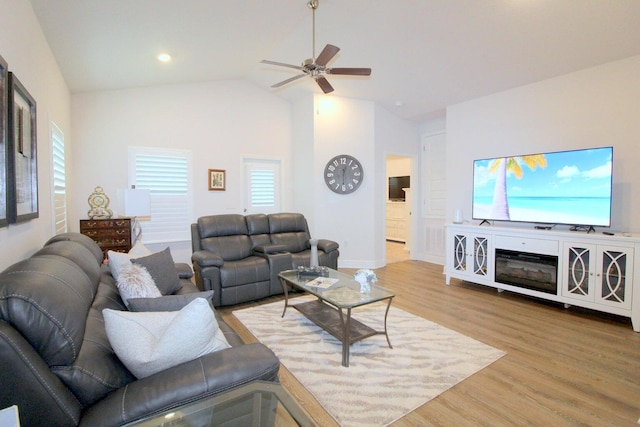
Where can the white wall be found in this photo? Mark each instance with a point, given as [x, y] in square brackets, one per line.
[326, 126]
[220, 122]
[398, 166]
[345, 126]
[27, 53]
[591, 108]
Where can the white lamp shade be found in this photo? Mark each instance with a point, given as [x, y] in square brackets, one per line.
[134, 202]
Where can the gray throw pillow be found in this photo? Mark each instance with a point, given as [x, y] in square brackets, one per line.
[151, 342]
[167, 302]
[163, 270]
[135, 281]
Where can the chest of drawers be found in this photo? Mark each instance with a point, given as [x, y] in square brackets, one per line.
[109, 234]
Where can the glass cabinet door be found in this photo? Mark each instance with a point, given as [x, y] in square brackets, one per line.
[580, 272]
[614, 273]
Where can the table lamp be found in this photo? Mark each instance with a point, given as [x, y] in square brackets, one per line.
[135, 203]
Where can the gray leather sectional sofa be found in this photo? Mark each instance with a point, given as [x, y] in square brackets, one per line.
[239, 257]
[57, 364]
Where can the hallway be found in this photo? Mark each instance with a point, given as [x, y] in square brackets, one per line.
[396, 252]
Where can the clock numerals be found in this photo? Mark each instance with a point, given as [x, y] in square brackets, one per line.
[343, 174]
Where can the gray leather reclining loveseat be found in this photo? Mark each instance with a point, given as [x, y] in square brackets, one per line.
[56, 362]
[239, 257]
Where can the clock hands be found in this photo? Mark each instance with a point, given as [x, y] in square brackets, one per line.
[343, 174]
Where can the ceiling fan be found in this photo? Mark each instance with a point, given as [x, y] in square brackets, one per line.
[317, 67]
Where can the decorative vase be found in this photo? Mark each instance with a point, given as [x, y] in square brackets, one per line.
[365, 286]
[313, 262]
[365, 277]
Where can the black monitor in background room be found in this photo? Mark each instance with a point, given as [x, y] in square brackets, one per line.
[396, 184]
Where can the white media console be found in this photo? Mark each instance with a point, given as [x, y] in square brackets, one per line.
[590, 270]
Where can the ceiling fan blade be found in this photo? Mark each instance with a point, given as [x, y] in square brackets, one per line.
[289, 80]
[350, 71]
[282, 64]
[324, 84]
[327, 54]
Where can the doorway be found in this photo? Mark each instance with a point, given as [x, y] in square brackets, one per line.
[398, 208]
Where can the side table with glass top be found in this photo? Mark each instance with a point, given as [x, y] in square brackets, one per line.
[257, 404]
[335, 300]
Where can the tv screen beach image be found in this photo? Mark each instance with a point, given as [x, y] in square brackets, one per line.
[566, 187]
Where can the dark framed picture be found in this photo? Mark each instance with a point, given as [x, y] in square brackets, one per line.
[22, 164]
[217, 179]
[4, 83]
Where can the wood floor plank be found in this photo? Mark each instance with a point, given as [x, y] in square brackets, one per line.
[564, 367]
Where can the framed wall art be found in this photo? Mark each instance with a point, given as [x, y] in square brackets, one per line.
[217, 179]
[4, 82]
[22, 169]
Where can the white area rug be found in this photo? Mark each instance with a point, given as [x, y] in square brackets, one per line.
[381, 384]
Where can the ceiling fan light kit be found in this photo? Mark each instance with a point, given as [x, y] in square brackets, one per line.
[316, 67]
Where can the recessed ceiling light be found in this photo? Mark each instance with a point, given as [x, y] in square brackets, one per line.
[164, 57]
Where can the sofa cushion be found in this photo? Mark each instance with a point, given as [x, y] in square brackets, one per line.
[167, 302]
[163, 270]
[135, 281]
[245, 271]
[118, 260]
[290, 230]
[149, 342]
[53, 293]
[97, 371]
[85, 241]
[73, 251]
[225, 236]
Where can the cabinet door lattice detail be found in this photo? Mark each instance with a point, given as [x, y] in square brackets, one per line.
[480, 255]
[613, 276]
[579, 272]
[460, 252]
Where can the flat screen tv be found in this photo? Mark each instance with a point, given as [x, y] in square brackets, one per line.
[396, 185]
[564, 187]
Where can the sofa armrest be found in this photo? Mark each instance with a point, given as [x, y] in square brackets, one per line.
[27, 381]
[269, 249]
[204, 377]
[327, 245]
[184, 270]
[207, 259]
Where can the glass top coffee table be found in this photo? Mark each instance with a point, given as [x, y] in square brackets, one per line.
[256, 404]
[337, 294]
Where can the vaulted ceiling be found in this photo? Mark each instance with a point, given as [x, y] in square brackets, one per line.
[425, 54]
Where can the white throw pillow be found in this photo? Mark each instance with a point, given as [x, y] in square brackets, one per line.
[135, 281]
[118, 260]
[150, 342]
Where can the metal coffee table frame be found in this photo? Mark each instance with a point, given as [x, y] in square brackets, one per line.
[331, 311]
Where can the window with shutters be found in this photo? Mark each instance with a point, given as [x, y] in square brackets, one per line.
[59, 180]
[166, 173]
[262, 178]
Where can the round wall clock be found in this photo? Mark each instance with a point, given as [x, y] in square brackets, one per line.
[343, 174]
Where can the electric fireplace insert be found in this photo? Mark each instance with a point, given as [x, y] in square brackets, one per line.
[527, 270]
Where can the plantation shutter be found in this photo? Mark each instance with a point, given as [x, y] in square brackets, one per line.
[59, 181]
[263, 186]
[165, 173]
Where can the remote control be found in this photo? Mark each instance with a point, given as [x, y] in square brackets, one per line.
[608, 233]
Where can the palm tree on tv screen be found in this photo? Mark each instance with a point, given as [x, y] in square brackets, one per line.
[500, 204]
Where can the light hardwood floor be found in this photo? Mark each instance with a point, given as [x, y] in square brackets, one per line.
[564, 367]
